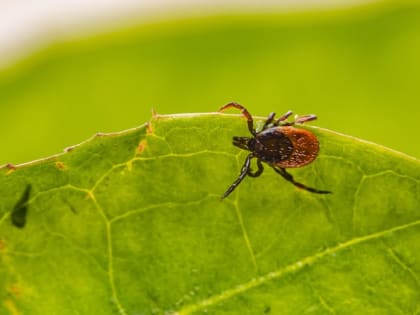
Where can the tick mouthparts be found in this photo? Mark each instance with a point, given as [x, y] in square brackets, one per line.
[241, 142]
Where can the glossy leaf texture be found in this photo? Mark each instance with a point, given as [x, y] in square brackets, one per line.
[133, 223]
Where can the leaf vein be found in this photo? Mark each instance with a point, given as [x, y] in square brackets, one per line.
[245, 235]
[110, 257]
[162, 204]
[294, 267]
[403, 264]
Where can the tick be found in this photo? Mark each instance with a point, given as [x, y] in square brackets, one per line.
[278, 144]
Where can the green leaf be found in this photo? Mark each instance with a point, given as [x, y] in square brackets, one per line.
[133, 223]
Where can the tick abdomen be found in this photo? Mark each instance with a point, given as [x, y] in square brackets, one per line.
[305, 147]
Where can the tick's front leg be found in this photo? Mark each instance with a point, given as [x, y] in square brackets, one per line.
[244, 112]
[244, 172]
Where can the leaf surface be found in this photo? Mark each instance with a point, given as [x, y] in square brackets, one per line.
[133, 223]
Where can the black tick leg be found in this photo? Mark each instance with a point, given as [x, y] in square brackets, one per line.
[269, 120]
[257, 172]
[283, 118]
[244, 172]
[287, 176]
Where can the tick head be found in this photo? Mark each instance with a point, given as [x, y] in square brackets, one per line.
[244, 143]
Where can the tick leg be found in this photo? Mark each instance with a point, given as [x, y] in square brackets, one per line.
[244, 171]
[269, 120]
[289, 177]
[258, 172]
[304, 119]
[244, 112]
[299, 120]
[283, 118]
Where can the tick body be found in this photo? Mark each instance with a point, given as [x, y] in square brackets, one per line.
[278, 144]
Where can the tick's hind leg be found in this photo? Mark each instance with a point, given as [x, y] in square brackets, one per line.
[244, 112]
[287, 176]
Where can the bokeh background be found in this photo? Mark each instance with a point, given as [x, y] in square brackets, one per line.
[356, 66]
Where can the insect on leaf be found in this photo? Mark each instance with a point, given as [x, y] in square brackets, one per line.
[133, 223]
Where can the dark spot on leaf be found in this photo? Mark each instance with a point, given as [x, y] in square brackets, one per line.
[70, 205]
[60, 165]
[21, 208]
[141, 146]
[267, 309]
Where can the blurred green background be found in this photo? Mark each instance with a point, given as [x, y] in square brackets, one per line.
[358, 69]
